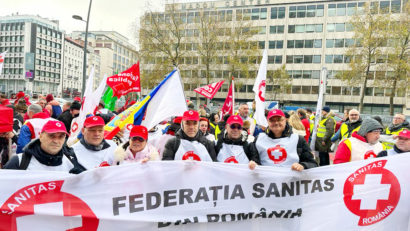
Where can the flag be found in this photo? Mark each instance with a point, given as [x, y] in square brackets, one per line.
[109, 99]
[90, 101]
[259, 89]
[322, 89]
[164, 101]
[126, 81]
[2, 57]
[228, 106]
[210, 90]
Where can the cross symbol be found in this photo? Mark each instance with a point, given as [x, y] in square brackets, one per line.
[190, 158]
[371, 191]
[50, 216]
[277, 154]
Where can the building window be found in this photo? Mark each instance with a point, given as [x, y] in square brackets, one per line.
[331, 10]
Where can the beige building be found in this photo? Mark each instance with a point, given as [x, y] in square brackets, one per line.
[306, 36]
[71, 81]
[116, 52]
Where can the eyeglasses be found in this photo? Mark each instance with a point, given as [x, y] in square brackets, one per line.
[235, 126]
[397, 118]
[135, 138]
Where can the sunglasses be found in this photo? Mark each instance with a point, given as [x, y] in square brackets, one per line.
[135, 138]
[235, 126]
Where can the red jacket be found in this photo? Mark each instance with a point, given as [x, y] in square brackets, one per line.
[343, 152]
[306, 124]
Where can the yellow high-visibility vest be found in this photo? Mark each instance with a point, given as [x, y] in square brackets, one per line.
[321, 131]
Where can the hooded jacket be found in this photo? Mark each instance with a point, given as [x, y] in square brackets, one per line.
[171, 147]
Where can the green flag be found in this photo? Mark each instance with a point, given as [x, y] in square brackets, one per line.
[109, 101]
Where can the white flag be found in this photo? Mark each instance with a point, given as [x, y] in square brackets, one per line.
[259, 89]
[2, 57]
[86, 108]
[168, 101]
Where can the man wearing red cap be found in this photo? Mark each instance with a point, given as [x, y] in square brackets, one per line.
[280, 147]
[402, 145]
[93, 150]
[189, 143]
[136, 149]
[232, 147]
[48, 152]
[33, 126]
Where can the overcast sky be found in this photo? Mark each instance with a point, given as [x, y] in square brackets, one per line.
[117, 15]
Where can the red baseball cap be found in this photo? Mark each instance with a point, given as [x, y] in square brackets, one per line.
[275, 112]
[235, 119]
[190, 115]
[54, 126]
[404, 134]
[77, 99]
[139, 130]
[93, 121]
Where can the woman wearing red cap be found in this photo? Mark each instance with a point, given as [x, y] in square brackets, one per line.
[136, 149]
[232, 146]
[280, 147]
[189, 143]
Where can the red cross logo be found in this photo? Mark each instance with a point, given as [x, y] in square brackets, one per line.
[231, 159]
[58, 124]
[191, 156]
[74, 127]
[370, 191]
[370, 154]
[277, 154]
[129, 127]
[261, 92]
[29, 206]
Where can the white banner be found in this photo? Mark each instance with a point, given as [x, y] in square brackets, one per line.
[365, 195]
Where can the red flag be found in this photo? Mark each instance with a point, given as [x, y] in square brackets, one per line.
[210, 90]
[229, 101]
[126, 81]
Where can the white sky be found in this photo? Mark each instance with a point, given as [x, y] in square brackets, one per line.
[117, 15]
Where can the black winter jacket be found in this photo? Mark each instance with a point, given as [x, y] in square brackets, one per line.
[172, 145]
[305, 153]
[249, 148]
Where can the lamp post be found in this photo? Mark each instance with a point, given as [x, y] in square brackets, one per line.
[77, 17]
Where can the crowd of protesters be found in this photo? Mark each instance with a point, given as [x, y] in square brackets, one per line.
[34, 132]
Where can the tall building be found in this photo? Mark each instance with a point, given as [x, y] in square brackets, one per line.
[305, 35]
[71, 81]
[34, 54]
[116, 52]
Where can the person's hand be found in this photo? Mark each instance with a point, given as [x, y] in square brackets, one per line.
[54, 103]
[252, 165]
[145, 160]
[297, 167]
[10, 135]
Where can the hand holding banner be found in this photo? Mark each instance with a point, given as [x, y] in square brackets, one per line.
[210, 90]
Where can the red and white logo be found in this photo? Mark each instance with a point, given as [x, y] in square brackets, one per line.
[191, 156]
[277, 154]
[129, 127]
[231, 159]
[370, 154]
[58, 124]
[372, 193]
[45, 205]
[74, 127]
[261, 92]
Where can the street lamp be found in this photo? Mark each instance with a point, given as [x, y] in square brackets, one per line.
[77, 17]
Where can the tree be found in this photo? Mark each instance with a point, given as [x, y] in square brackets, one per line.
[161, 42]
[370, 34]
[397, 79]
[280, 80]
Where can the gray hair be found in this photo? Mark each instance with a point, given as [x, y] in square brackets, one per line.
[35, 108]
